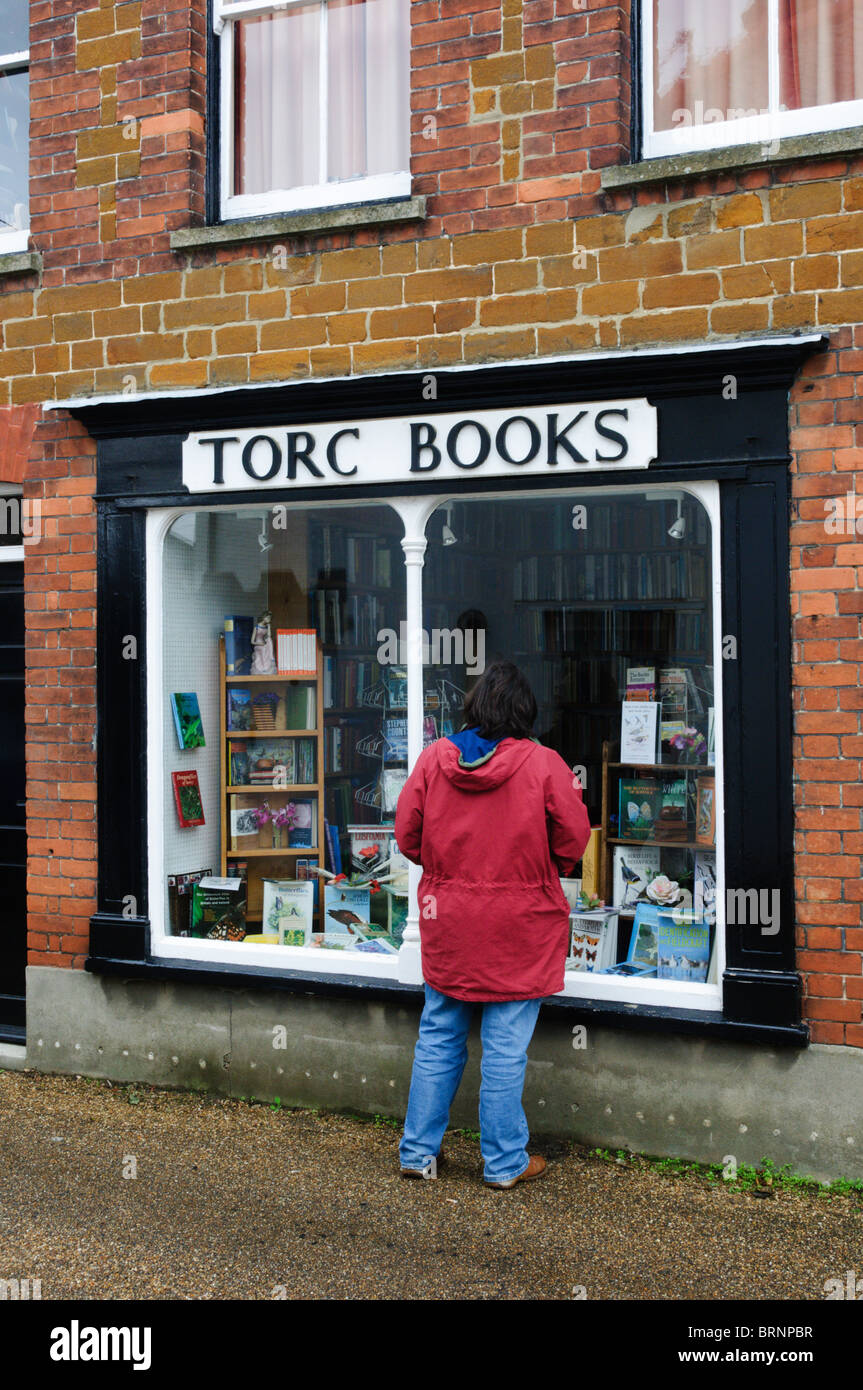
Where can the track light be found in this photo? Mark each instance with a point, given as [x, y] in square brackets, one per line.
[447, 535]
[677, 529]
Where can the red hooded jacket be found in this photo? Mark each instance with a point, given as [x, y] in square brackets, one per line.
[493, 839]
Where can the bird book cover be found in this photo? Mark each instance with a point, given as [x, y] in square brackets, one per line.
[346, 912]
[682, 949]
[640, 805]
[187, 797]
[634, 867]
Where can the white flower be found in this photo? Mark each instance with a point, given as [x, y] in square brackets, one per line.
[663, 890]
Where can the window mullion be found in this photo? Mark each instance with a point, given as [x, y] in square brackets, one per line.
[323, 95]
[773, 56]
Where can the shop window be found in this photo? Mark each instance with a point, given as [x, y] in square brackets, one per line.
[277, 760]
[603, 598]
[748, 71]
[314, 103]
[14, 125]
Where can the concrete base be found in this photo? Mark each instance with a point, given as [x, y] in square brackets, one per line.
[657, 1094]
[13, 1057]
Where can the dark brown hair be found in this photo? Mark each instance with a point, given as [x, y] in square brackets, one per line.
[501, 704]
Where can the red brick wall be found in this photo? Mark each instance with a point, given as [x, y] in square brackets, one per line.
[517, 106]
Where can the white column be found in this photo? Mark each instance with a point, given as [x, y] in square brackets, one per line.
[414, 513]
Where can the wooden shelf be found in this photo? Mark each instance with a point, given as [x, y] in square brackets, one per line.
[663, 844]
[663, 767]
[304, 851]
[275, 679]
[270, 733]
[278, 787]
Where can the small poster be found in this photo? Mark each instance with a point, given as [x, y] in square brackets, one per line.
[705, 811]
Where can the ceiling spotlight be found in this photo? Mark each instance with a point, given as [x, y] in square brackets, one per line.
[677, 529]
[262, 538]
[447, 535]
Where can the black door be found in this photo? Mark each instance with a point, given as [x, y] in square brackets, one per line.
[13, 840]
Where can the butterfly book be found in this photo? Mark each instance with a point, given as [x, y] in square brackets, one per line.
[218, 909]
[187, 720]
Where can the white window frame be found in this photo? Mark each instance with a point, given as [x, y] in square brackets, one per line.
[15, 238]
[766, 128]
[371, 188]
[11, 554]
[415, 513]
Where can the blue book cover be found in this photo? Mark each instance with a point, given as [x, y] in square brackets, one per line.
[238, 645]
[683, 949]
[187, 720]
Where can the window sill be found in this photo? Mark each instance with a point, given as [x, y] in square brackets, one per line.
[684, 166]
[293, 224]
[20, 263]
[612, 1014]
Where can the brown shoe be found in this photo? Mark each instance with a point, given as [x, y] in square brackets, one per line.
[535, 1169]
[420, 1172]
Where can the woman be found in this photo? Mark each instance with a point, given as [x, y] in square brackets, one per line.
[494, 818]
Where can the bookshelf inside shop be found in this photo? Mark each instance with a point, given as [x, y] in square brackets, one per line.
[271, 751]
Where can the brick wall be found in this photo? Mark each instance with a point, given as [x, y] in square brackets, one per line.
[517, 106]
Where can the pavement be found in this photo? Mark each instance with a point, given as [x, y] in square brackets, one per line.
[124, 1192]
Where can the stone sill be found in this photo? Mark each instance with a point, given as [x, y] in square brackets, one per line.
[300, 223]
[20, 263]
[683, 166]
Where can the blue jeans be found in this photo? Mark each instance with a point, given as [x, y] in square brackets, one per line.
[439, 1062]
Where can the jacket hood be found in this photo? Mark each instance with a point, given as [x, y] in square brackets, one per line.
[477, 764]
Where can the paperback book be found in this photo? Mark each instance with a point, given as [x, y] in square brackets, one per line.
[638, 724]
[683, 949]
[288, 910]
[346, 912]
[634, 866]
[218, 909]
[187, 720]
[301, 833]
[187, 798]
[238, 645]
[180, 888]
[639, 806]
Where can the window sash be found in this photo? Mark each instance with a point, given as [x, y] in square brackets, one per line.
[322, 193]
[764, 129]
[14, 239]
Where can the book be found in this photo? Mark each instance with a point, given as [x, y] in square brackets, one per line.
[187, 798]
[642, 943]
[288, 910]
[187, 720]
[304, 871]
[370, 846]
[346, 912]
[301, 833]
[590, 862]
[296, 649]
[705, 811]
[239, 711]
[396, 682]
[300, 707]
[391, 782]
[593, 941]
[638, 722]
[243, 822]
[429, 730]
[634, 866]
[639, 805]
[238, 762]
[333, 847]
[218, 909]
[238, 645]
[640, 683]
[682, 949]
[180, 900]
[673, 692]
[704, 895]
[711, 736]
[671, 823]
[395, 733]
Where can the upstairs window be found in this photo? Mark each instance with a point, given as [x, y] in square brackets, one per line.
[314, 103]
[749, 71]
[14, 125]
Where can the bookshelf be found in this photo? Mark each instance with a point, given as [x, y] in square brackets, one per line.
[266, 853]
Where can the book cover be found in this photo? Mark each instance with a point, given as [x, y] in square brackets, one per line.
[705, 811]
[304, 871]
[187, 798]
[395, 733]
[288, 910]
[591, 862]
[370, 846]
[333, 847]
[634, 866]
[673, 692]
[642, 943]
[683, 949]
[238, 645]
[239, 763]
[593, 942]
[218, 909]
[346, 911]
[672, 821]
[239, 711]
[429, 730]
[301, 833]
[396, 682]
[638, 722]
[187, 720]
[180, 900]
[705, 887]
[391, 782]
[243, 822]
[639, 805]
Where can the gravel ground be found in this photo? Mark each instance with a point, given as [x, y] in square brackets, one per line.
[237, 1201]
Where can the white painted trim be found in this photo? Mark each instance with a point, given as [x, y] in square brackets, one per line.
[370, 188]
[11, 554]
[14, 239]
[600, 355]
[765, 130]
[17, 60]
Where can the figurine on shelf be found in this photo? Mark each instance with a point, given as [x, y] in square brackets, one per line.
[263, 658]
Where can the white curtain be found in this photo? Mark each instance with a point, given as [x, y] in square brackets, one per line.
[278, 97]
[708, 56]
[821, 59]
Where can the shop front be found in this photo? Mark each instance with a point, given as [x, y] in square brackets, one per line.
[298, 584]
